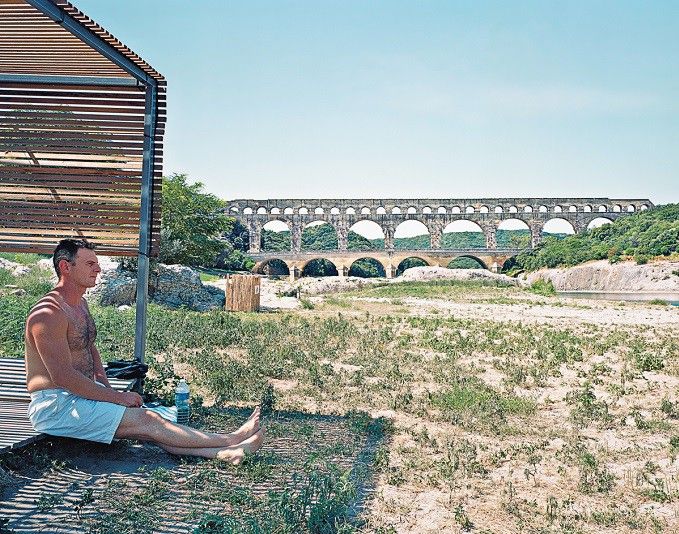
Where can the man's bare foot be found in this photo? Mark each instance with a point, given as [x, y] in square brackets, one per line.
[248, 428]
[234, 455]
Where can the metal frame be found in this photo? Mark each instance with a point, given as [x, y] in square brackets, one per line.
[150, 118]
[145, 222]
[71, 80]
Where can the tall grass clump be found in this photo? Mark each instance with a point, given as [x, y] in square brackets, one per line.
[542, 287]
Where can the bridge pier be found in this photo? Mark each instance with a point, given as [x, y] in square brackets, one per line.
[535, 233]
[254, 238]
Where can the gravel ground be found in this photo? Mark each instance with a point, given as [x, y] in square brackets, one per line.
[282, 293]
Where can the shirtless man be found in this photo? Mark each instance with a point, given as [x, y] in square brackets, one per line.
[70, 394]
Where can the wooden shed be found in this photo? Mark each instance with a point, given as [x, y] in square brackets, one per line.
[242, 292]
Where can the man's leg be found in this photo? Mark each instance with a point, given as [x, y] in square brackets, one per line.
[139, 423]
[233, 454]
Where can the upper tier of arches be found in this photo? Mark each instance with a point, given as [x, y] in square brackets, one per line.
[428, 207]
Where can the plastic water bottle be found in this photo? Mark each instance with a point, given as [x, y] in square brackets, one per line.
[181, 400]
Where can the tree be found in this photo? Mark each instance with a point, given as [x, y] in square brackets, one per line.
[191, 224]
[236, 243]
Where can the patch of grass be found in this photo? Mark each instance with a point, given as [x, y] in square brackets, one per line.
[542, 287]
[14, 310]
[429, 369]
[472, 403]
[659, 302]
[36, 282]
[307, 304]
[6, 278]
[428, 289]
[674, 444]
[616, 515]
[336, 301]
[655, 485]
[23, 258]
[669, 408]
[5, 480]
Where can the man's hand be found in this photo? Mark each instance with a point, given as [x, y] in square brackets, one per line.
[130, 399]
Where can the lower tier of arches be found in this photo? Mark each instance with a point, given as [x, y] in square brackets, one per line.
[361, 263]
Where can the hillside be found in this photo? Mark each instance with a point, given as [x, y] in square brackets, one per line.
[323, 237]
[640, 236]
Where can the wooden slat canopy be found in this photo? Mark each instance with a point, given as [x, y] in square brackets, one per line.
[73, 125]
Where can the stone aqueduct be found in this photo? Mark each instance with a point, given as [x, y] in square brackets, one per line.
[434, 214]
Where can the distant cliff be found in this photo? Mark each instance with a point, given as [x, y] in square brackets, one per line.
[656, 276]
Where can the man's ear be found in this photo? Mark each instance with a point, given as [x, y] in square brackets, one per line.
[64, 266]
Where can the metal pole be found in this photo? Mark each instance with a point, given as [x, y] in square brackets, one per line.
[145, 223]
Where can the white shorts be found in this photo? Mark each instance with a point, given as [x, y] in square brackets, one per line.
[58, 412]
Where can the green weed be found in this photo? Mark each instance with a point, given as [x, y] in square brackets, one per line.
[307, 304]
[587, 408]
[542, 287]
[472, 403]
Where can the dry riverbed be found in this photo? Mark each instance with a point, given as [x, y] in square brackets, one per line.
[495, 410]
[578, 429]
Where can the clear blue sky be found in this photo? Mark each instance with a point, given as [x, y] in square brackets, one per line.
[414, 99]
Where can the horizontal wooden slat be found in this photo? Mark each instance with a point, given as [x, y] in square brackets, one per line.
[15, 427]
[71, 154]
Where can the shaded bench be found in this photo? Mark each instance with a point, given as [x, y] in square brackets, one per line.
[15, 427]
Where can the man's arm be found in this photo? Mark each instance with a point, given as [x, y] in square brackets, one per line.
[48, 330]
[99, 372]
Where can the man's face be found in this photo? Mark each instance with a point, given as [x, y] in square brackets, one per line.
[84, 270]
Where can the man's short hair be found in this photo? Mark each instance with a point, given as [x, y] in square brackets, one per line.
[67, 249]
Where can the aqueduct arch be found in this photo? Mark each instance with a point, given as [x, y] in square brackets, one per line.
[434, 214]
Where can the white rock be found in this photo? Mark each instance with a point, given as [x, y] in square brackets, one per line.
[174, 286]
[15, 268]
[656, 276]
[443, 273]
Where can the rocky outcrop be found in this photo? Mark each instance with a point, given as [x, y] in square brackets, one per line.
[174, 286]
[656, 276]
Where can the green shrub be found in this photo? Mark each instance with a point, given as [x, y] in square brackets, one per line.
[594, 477]
[586, 406]
[643, 235]
[542, 287]
[307, 304]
